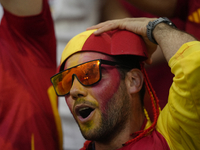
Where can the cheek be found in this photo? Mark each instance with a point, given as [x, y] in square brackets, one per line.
[69, 103]
[106, 88]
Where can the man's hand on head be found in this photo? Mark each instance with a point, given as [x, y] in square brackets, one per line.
[168, 38]
[136, 25]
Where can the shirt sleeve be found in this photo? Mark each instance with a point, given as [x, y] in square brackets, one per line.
[179, 122]
[36, 33]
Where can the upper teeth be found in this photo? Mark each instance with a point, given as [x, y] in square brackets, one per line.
[84, 108]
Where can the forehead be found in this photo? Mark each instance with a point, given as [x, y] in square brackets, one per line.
[81, 57]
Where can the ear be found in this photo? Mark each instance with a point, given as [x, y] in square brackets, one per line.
[134, 81]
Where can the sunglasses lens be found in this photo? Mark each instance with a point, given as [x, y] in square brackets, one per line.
[59, 79]
[87, 73]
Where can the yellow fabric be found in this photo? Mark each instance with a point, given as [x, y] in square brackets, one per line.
[179, 121]
[53, 100]
[148, 124]
[32, 142]
[75, 44]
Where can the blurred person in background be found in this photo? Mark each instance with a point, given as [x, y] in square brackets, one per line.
[29, 116]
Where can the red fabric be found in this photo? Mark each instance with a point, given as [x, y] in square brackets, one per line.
[154, 141]
[186, 9]
[193, 26]
[87, 146]
[27, 61]
[114, 44]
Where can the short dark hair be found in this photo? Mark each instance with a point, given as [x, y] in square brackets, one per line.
[132, 62]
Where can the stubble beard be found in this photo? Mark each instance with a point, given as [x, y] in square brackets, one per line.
[113, 119]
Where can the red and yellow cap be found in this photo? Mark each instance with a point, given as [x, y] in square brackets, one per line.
[117, 42]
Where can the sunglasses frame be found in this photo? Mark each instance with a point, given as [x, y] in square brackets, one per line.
[101, 61]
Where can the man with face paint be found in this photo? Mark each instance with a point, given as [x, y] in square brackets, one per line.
[102, 78]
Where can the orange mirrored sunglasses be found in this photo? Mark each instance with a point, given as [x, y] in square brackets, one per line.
[87, 73]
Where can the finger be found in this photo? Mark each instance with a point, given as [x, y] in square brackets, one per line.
[107, 27]
[97, 26]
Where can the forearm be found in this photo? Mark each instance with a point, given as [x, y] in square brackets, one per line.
[157, 7]
[170, 39]
[22, 7]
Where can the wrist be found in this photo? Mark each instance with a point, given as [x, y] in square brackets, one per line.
[152, 25]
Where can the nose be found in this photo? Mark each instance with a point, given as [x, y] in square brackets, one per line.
[77, 90]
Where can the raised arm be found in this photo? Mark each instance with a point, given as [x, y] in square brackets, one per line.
[22, 7]
[168, 38]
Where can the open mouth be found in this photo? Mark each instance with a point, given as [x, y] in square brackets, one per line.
[85, 112]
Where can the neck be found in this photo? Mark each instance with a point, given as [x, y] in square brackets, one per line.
[133, 125]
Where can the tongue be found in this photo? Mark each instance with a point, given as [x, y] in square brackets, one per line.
[85, 112]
